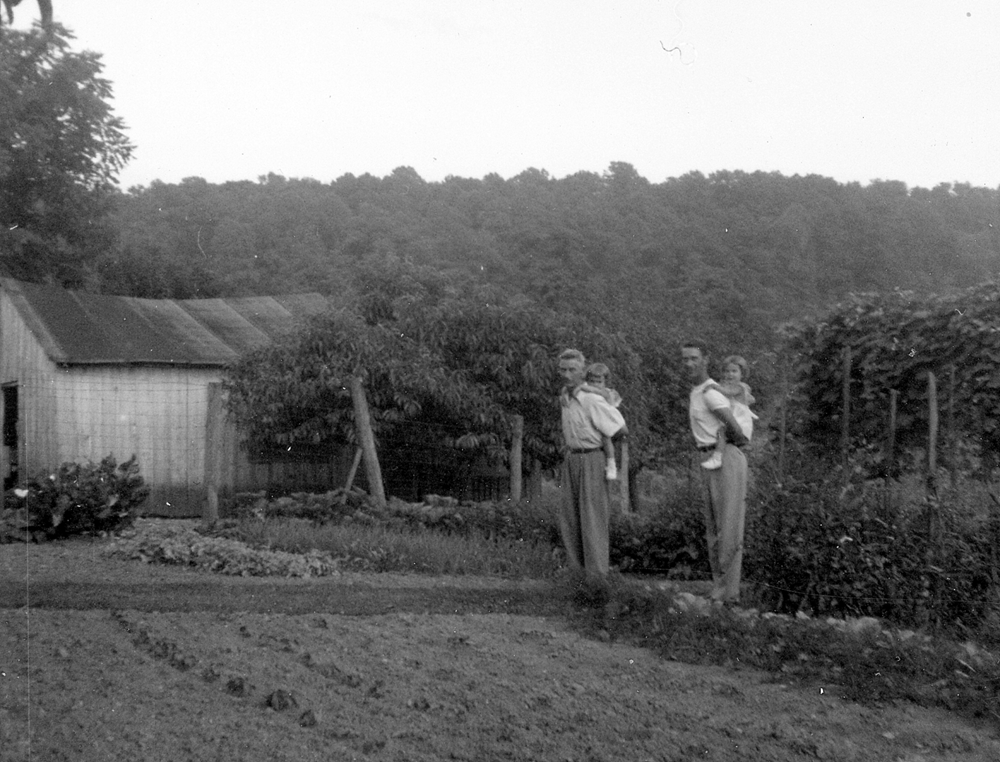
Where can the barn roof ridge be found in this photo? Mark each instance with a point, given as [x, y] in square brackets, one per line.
[83, 328]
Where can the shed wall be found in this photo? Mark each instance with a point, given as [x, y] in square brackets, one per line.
[40, 389]
[154, 412]
[157, 412]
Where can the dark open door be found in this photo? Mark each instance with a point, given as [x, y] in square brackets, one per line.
[9, 458]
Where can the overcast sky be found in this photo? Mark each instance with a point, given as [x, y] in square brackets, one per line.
[898, 90]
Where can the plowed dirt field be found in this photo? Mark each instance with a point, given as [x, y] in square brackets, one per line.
[106, 660]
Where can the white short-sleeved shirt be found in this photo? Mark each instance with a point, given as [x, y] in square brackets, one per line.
[586, 417]
[744, 417]
[704, 425]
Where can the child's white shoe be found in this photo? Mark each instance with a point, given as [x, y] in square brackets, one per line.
[611, 471]
[714, 462]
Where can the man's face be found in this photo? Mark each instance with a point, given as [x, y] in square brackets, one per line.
[695, 363]
[571, 372]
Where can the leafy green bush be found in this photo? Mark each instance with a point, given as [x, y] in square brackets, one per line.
[669, 542]
[814, 548]
[864, 658]
[79, 498]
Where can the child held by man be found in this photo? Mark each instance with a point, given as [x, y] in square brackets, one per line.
[734, 370]
[597, 382]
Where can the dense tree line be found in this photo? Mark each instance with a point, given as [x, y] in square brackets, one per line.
[726, 255]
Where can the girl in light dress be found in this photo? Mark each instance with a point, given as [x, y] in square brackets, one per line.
[597, 382]
[734, 370]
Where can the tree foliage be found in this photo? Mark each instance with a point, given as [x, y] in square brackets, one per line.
[896, 339]
[61, 148]
[724, 257]
[444, 363]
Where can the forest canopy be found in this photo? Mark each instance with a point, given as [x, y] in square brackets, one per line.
[726, 256]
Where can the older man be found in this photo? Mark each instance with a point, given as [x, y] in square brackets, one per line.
[725, 512]
[586, 416]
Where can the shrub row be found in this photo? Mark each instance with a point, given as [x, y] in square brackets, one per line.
[667, 543]
[79, 498]
[814, 548]
[809, 547]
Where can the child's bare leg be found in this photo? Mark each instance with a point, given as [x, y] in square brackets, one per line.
[610, 469]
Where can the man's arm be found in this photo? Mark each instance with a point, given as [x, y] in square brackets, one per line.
[605, 418]
[734, 433]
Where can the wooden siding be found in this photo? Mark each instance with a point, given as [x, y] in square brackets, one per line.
[39, 382]
[82, 413]
[231, 468]
[156, 413]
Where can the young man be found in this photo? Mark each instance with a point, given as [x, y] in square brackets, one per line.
[586, 417]
[725, 512]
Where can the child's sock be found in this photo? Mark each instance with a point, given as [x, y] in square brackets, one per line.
[714, 462]
[611, 471]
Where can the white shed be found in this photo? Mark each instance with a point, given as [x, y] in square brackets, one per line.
[87, 375]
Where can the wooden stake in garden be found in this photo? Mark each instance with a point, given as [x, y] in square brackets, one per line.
[516, 445]
[952, 435]
[890, 455]
[213, 446]
[363, 422]
[623, 476]
[354, 469]
[783, 421]
[932, 432]
[845, 424]
[933, 504]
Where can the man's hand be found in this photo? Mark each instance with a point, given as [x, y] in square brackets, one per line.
[734, 433]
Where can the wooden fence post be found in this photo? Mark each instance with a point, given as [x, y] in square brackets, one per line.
[890, 457]
[354, 469]
[363, 422]
[534, 486]
[845, 424]
[214, 433]
[952, 434]
[783, 422]
[515, 459]
[623, 478]
[932, 432]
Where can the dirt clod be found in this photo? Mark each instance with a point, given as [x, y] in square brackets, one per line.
[281, 700]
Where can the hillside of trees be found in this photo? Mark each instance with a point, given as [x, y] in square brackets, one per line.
[725, 256]
[634, 265]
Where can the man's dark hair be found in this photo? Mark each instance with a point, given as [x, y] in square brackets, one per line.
[698, 344]
[575, 355]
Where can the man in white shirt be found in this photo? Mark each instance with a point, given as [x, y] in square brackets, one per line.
[586, 416]
[725, 512]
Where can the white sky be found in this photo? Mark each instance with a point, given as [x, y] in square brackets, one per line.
[855, 90]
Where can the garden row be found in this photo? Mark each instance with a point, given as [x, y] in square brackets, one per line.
[810, 547]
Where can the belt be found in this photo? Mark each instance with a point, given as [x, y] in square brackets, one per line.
[709, 448]
[583, 450]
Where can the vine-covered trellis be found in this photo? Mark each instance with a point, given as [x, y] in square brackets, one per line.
[901, 348]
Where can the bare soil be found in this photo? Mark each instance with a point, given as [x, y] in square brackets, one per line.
[102, 659]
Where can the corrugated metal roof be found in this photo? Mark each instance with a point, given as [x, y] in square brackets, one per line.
[78, 328]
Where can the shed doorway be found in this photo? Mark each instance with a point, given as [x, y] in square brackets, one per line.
[9, 449]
